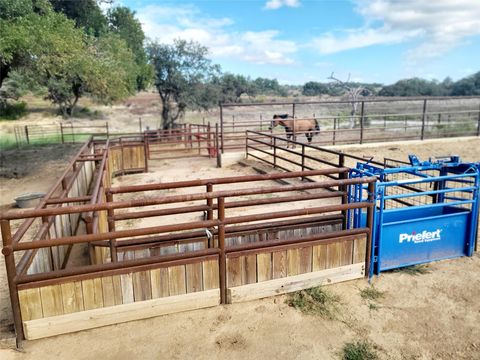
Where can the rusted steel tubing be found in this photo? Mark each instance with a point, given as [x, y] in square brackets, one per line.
[160, 212]
[11, 275]
[222, 260]
[182, 198]
[27, 258]
[230, 230]
[77, 239]
[100, 174]
[89, 271]
[334, 236]
[225, 180]
[25, 225]
[290, 213]
[314, 147]
[64, 200]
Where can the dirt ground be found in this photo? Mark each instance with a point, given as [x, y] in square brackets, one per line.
[429, 316]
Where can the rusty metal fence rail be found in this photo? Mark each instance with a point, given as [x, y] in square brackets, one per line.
[220, 259]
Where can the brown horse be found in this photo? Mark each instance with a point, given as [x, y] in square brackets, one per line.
[293, 126]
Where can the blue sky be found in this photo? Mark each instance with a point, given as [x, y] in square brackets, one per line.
[297, 41]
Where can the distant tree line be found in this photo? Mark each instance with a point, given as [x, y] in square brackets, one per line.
[65, 49]
[468, 86]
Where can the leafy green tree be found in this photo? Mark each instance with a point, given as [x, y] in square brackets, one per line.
[314, 88]
[269, 87]
[231, 87]
[180, 69]
[122, 21]
[468, 86]
[412, 87]
[86, 14]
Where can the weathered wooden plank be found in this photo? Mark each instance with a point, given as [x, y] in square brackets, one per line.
[159, 281]
[141, 286]
[264, 266]
[51, 300]
[108, 291]
[72, 297]
[346, 252]
[117, 289]
[333, 255]
[359, 249]
[234, 271]
[92, 293]
[319, 257]
[194, 277]
[293, 262]
[127, 288]
[176, 280]
[294, 283]
[210, 275]
[41, 328]
[30, 304]
[305, 264]
[279, 264]
[250, 269]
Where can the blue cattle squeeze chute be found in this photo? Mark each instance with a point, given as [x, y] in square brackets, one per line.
[424, 211]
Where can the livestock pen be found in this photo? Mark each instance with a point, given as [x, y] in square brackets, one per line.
[232, 244]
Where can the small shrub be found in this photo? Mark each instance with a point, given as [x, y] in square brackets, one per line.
[373, 306]
[371, 293]
[13, 111]
[359, 350]
[316, 300]
[414, 270]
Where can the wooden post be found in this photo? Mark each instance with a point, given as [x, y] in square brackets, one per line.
[221, 127]
[221, 245]
[7, 251]
[362, 119]
[140, 124]
[424, 114]
[293, 110]
[26, 134]
[73, 132]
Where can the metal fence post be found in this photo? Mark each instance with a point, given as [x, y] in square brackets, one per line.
[221, 245]
[370, 215]
[217, 146]
[7, 251]
[334, 130]
[274, 152]
[362, 119]
[221, 127]
[343, 188]
[140, 124]
[424, 114]
[303, 160]
[106, 128]
[478, 123]
[209, 202]
[26, 134]
[61, 132]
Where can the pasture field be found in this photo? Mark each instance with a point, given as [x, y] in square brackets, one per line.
[433, 313]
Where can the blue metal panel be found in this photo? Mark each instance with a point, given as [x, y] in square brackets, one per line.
[416, 240]
[419, 232]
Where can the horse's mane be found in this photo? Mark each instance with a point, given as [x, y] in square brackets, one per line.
[282, 116]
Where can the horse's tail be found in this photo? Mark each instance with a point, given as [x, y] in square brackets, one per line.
[317, 126]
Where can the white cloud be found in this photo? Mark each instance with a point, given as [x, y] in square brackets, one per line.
[166, 23]
[436, 26]
[277, 4]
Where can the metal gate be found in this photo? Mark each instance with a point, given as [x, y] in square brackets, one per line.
[425, 211]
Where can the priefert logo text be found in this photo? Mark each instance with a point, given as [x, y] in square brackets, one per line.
[424, 236]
